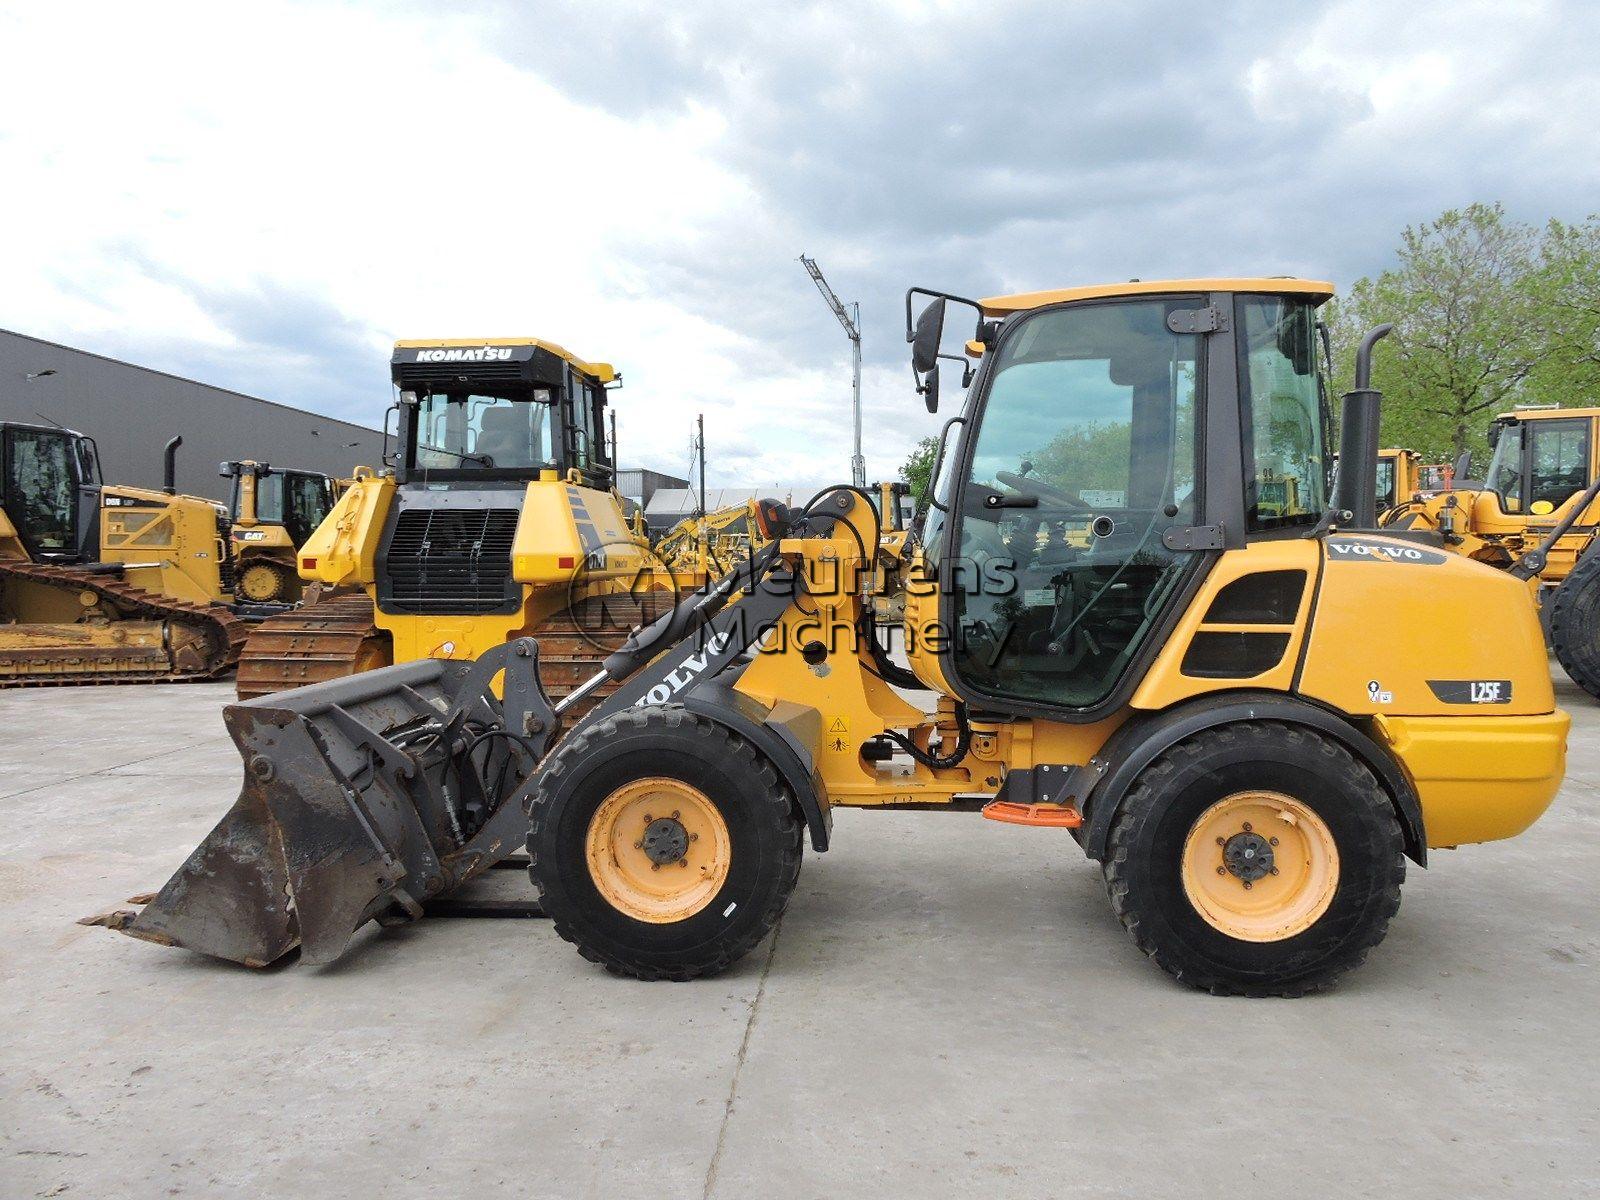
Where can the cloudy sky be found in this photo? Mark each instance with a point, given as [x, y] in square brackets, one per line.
[264, 196]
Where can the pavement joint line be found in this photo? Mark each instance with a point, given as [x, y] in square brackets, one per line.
[738, 1066]
[133, 762]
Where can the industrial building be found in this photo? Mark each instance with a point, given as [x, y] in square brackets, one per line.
[131, 412]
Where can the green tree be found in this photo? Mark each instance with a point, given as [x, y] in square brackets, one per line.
[918, 468]
[1469, 328]
[1567, 292]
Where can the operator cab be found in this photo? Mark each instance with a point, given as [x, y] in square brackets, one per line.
[1542, 457]
[49, 490]
[296, 500]
[1113, 440]
[504, 410]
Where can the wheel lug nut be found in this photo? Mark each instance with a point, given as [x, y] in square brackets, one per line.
[655, 866]
[1247, 885]
[638, 845]
[1274, 870]
[1272, 841]
[1222, 870]
[675, 814]
[1222, 841]
[1247, 827]
[694, 837]
[683, 862]
[648, 818]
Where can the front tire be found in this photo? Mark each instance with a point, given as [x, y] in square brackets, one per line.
[1259, 859]
[663, 846]
[1573, 623]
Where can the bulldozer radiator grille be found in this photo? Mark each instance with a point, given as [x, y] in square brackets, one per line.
[451, 561]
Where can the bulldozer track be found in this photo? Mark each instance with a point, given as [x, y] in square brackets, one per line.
[51, 666]
[327, 639]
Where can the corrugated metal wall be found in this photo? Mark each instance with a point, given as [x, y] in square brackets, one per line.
[131, 412]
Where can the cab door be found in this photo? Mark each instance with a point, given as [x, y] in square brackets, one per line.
[1075, 501]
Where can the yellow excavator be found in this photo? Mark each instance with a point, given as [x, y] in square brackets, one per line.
[274, 512]
[103, 583]
[1198, 694]
[495, 518]
[1535, 515]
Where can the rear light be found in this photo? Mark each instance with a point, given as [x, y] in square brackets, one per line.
[308, 564]
[566, 562]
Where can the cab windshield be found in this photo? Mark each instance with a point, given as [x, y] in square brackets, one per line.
[1505, 468]
[465, 431]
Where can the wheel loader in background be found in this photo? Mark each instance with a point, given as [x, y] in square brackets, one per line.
[1536, 515]
[274, 511]
[497, 518]
[101, 583]
[1198, 692]
[699, 548]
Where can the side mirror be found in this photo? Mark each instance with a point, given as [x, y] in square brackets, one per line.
[1463, 467]
[925, 338]
[1494, 435]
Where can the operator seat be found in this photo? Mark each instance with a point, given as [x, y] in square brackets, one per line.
[505, 437]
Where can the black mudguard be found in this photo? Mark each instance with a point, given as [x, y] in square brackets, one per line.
[1110, 775]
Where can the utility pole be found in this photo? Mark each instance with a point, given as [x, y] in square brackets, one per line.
[851, 320]
[700, 442]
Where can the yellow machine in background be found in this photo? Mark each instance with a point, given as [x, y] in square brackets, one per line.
[275, 510]
[103, 583]
[497, 519]
[699, 548]
[1200, 691]
[1537, 514]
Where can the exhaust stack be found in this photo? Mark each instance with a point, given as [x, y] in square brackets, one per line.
[1357, 492]
[169, 466]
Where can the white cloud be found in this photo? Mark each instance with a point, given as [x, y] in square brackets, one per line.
[265, 195]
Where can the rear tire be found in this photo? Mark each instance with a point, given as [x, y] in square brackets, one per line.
[1574, 623]
[1332, 832]
[617, 804]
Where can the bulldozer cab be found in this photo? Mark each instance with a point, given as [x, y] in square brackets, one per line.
[1113, 442]
[505, 410]
[298, 501]
[49, 480]
[1542, 458]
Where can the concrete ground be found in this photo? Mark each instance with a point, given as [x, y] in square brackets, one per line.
[948, 1008]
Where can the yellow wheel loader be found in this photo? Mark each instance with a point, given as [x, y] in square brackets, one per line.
[496, 519]
[1198, 694]
[102, 583]
[274, 512]
[1535, 515]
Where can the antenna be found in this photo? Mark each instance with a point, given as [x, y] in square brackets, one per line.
[851, 320]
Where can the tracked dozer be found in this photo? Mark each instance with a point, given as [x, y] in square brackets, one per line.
[1536, 515]
[104, 583]
[274, 511]
[496, 518]
[1195, 690]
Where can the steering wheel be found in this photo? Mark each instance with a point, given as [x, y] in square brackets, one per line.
[1038, 487]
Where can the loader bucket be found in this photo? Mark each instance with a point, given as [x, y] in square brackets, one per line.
[363, 798]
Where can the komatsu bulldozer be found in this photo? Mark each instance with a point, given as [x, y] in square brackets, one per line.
[495, 518]
[104, 583]
[274, 512]
[1198, 693]
[1535, 515]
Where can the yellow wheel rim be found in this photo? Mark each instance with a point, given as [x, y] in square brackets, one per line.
[1260, 866]
[658, 850]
